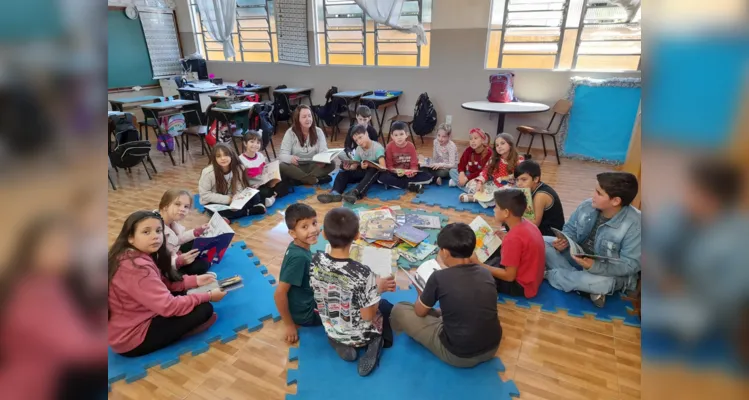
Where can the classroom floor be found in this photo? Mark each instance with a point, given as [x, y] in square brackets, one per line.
[549, 356]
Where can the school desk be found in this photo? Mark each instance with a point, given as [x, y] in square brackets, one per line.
[119, 104]
[167, 109]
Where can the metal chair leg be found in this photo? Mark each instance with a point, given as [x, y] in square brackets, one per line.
[530, 144]
[554, 138]
[150, 161]
[517, 142]
[143, 160]
[111, 182]
[272, 147]
[543, 142]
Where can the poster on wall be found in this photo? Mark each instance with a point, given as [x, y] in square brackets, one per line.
[291, 25]
[162, 41]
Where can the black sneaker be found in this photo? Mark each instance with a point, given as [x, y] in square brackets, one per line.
[325, 179]
[351, 197]
[599, 300]
[416, 188]
[328, 198]
[368, 362]
[257, 209]
[347, 353]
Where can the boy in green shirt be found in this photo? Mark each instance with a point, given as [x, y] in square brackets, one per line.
[294, 297]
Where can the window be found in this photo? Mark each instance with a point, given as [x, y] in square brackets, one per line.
[550, 34]
[347, 36]
[254, 35]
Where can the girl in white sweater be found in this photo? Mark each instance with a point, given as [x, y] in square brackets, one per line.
[173, 208]
[225, 178]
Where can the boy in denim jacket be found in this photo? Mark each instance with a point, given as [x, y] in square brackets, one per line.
[605, 225]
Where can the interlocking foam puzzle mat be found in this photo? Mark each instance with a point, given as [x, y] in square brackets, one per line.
[407, 369]
[552, 300]
[300, 193]
[448, 197]
[242, 309]
[712, 352]
[376, 191]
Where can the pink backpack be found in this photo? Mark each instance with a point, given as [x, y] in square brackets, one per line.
[501, 89]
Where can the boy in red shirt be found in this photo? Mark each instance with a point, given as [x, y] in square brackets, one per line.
[523, 254]
[403, 163]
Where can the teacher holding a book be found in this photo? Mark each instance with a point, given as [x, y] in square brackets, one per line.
[301, 143]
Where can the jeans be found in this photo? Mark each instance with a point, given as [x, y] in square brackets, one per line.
[454, 175]
[437, 173]
[565, 274]
[391, 179]
[364, 178]
[306, 172]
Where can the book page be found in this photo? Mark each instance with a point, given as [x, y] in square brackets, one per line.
[380, 261]
[271, 172]
[327, 156]
[486, 241]
[241, 198]
[216, 226]
[217, 207]
[426, 270]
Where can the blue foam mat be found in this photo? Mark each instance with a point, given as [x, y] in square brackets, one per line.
[376, 191]
[552, 300]
[712, 352]
[407, 369]
[300, 193]
[448, 197]
[242, 309]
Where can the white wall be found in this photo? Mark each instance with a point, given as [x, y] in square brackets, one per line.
[456, 73]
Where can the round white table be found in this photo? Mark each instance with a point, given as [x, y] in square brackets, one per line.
[501, 109]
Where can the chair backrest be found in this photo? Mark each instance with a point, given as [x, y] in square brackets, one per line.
[561, 107]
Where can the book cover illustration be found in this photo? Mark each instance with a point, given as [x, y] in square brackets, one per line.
[214, 241]
[423, 221]
[410, 234]
[418, 253]
[486, 241]
[577, 250]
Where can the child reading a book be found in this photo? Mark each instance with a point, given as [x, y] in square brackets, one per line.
[148, 309]
[223, 179]
[521, 268]
[467, 331]
[546, 204]
[497, 173]
[173, 207]
[359, 170]
[444, 154]
[254, 165]
[294, 297]
[363, 117]
[473, 159]
[403, 163]
[605, 225]
[347, 294]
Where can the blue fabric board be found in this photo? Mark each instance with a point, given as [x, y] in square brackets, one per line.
[685, 110]
[552, 300]
[711, 352]
[376, 191]
[242, 309]
[321, 374]
[300, 193]
[448, 197]
[601, 121]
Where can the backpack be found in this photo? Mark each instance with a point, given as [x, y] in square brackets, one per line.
[501, 88]
[124, 129]
[425, 117]
[130, 154]
[165, 143]
[173, 125]
[254, 97]
[281, 111]
[333, 110]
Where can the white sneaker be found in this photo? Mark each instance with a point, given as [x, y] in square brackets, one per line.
[452, 183]
[270, 201]
[439, 181]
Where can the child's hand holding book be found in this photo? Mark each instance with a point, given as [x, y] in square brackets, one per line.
[386, 284]
[206, 279]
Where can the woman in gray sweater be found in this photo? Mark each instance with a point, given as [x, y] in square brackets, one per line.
[300, 143]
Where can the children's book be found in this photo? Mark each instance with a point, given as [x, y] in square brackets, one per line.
[380, 229]
[271, 172]
[529, 213]
[423, 221]
[576, 249]
[421, 277]
[400, 217]
[226, 285]
[410, 234]
[237, 202]
[371, 164]
[402, 172]
[214, 241]
[486, 241]
[388, 244]
[327, 157]
[380, 261]
[418, 253]
[425, 161]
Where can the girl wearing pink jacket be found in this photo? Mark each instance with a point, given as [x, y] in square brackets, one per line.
[148, 307]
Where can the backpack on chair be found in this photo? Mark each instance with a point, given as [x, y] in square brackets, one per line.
[129, 150]
[425, 117]
[281, 111]
[501, 89]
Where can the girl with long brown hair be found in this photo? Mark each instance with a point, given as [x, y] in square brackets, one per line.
[223, 179]
[300, 143]
[498, 172]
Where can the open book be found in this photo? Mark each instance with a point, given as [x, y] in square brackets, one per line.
[237, 202]
[421, 277]
[327, 156]
[576, 249]
[374, 165]
[214, 241]
[271, 172]
[226, 285]
[486, 241]
[379, 260]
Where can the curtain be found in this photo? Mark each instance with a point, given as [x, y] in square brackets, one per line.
[219, 16]
[388, 12]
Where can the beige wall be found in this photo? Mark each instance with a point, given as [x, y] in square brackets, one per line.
[456, 73]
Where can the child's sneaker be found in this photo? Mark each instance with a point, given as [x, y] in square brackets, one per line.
[368, 362]
[270, 201]
[257, 209]
[347, 353]
[326, 198]
[599, 300]
[452, 183]
[416, 188]
[351, 197]
[439, 181]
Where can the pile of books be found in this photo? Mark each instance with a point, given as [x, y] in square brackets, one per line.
[392, 228]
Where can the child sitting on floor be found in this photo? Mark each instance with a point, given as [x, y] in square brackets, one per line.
[363, 117]
[546, 204]
[347, 294]
[522, 263]
[467, 331]
[173, 207]
[403, 163]
[497, 173]
[444, 154]
[224, 179]
[473, 159]
[294, 296]
[358, 170]
[148, 309]
[254, 162]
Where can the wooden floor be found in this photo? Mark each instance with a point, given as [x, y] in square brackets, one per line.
[549, 356]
